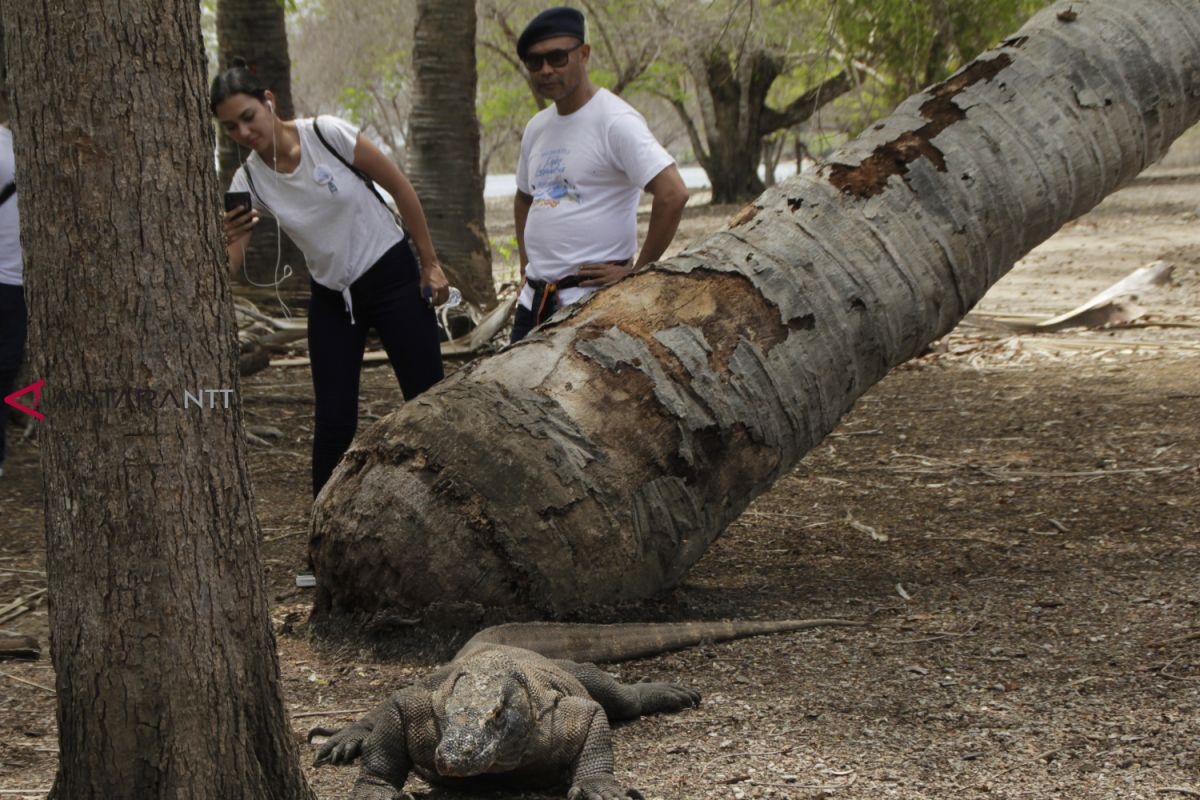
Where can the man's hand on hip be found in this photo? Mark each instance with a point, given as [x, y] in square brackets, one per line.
[605, 274]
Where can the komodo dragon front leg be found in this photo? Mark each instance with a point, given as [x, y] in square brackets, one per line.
[625, 701]
[383, 738]
[592, 775]
[345, 745]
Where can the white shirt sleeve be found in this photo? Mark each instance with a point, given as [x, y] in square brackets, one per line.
[635, 150]
[341, 135]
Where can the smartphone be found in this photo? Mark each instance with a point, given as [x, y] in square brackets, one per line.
[237, 200]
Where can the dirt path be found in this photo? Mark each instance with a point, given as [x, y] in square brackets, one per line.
[1017, 517]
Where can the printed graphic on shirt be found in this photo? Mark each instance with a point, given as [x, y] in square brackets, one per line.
[550, 185]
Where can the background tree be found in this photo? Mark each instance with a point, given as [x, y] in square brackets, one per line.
[505, 106]
[255, 30]
[358, 64]
[724, 72]
[166, 673]
[443, 146]
[908, 44]
[595, 462]
[508, 98]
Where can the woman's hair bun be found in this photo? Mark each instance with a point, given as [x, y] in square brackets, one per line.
[238, 79]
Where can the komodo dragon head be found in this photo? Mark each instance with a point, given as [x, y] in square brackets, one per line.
[486, 719]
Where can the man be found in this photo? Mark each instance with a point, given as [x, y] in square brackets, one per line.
[12, 293]
[584, 162]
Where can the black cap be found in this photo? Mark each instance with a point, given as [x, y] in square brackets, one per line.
[559, 21]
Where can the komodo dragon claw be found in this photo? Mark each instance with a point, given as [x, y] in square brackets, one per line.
[657, 698]
[602, 787]
[342, 747]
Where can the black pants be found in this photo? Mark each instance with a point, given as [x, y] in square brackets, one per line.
[387, 297]
[14, 324]
[523, 323]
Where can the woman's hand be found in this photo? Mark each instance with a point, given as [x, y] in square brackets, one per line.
[238, 224]
[434, 285]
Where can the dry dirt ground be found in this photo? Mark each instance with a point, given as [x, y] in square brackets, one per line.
[1016, 516]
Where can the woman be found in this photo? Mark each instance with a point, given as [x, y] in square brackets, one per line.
[363, 272]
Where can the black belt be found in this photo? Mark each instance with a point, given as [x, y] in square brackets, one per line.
[545, 294]
[569, 282]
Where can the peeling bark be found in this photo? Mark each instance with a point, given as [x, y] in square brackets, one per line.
[595, 462]
[869, 177]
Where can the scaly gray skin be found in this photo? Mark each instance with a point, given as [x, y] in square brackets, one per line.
[499, 714]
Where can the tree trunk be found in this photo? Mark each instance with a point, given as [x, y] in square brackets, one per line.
[772, 150]
[255, 30]
[733, 153]
[165, 664]
[737, 118]
[443, 152]
[596, 461]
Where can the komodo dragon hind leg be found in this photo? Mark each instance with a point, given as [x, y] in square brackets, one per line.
[623, 701]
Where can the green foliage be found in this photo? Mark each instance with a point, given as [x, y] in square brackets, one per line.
[499, 104]
[505, 249]
[605, 78]
[914, 43]
[353, 58]
[504, 103]
[506, 261]
[666, 78]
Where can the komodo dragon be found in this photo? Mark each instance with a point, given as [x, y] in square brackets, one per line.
[511, 710]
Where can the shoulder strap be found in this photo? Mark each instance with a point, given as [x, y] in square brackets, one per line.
[361, 175]
[7, 192]
[253, 191]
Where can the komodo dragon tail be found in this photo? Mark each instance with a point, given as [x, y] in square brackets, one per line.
[624, 641]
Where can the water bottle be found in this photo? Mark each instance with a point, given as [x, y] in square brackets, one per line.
[454, 298]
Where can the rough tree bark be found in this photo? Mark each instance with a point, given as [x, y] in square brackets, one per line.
[255, 30]
[596, 461]
[165, 666]
[443, 148]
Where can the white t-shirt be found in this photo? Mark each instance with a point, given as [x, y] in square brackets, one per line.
[328, 211]
[11, 271]
[585, 172]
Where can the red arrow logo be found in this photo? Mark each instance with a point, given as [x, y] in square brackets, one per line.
[36, 388]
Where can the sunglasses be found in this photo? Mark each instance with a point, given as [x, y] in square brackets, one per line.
[555, 58]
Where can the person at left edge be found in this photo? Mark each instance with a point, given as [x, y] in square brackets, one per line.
[13, 314]
[363, 273]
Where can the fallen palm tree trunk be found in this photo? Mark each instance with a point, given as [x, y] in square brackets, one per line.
[596, 461]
